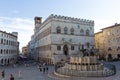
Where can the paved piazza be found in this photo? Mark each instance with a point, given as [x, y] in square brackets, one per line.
[27, 73]
[32, 73]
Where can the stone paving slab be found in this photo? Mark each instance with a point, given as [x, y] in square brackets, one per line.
[28, 73]
[32, 73]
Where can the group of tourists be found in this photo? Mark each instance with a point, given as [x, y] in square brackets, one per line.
[3, 76]
[43, 68]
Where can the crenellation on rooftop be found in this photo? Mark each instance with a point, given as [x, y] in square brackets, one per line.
[71, 18]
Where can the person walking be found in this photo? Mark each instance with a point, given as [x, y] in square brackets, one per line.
[11, 77]
[3, 75]
[20, 73]
[40, 69]
[47, 69]
[43, 69]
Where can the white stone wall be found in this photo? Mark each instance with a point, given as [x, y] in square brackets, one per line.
[54, 39]
[8, 53]
[45, 41]
[64, 24]
[76, 39]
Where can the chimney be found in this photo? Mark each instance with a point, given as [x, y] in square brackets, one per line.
[38, 20]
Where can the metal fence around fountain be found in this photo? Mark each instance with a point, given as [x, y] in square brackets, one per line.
[59, 70]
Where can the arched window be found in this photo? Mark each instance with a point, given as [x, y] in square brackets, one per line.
[81, 32]
[1, 51]
[65, 30]
[4, 51]
[4, 42]
[7, 51]
[1, 61]
[1, 41]
[58, 29]
[87, 32]
[7, 42]
[8, 61]
[72, 31]
[5, 61]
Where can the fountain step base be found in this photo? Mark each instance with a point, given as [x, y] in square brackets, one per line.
[77, 73]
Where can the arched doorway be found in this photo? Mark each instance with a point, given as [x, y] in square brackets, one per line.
[65, 49]
[109, 57]
[8, 61]
[1, 61]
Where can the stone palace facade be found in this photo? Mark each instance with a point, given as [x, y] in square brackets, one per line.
[58, 37]
[9, 47]
[108, 41]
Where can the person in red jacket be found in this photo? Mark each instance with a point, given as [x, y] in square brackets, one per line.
[11, 77]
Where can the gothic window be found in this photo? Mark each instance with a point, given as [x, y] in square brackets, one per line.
[58, 29]
[72, 31]
[109, 49]
[72, 47]
[58, 47]
[1, 41]
[1, 51]
[81, 31]
[4, 42]
[78, 27]
[7, 42]
[65, 30]
[7, 51]
[87, 32]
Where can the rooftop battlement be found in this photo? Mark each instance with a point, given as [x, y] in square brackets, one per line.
[71, 19]
[67, 19]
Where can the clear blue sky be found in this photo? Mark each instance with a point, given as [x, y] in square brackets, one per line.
[18, 15]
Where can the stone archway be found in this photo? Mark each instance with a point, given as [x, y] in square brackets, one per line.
[1, 61]
[109, 57]
[5, 61]
[66, 50]
[8, 61]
